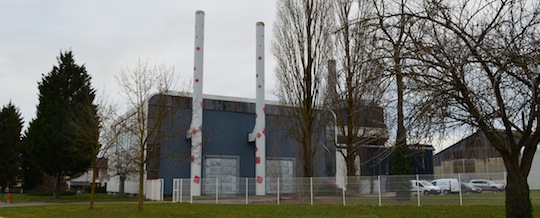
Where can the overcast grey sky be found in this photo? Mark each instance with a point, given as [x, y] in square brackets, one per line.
[107, 36]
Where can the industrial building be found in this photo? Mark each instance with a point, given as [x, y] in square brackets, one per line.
[474, 156]
[203, 137]
[227, 153]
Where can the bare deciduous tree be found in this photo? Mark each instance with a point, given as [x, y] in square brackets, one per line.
[302, 46]
[122, 154]
[480, 69]
[358, 82]
[137, 84]
[87, 129]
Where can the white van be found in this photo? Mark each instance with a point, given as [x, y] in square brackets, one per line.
[424, 187]
[447, 185]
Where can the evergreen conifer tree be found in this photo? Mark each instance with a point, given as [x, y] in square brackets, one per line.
[65, 94]
[10, 145]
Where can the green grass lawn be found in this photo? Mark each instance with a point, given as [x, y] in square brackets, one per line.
[451, 199]
[476, 205]
[18, 198]
[208, 210]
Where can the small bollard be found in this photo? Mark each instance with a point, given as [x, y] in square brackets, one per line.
[9, 198]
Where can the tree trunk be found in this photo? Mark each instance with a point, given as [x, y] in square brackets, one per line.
[518, 200]
[141, 180]
[350, 159]
[93, 185]
[56, 186]
[308, 159]
[121, 188]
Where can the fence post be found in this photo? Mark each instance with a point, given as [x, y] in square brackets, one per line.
[247, 181]
[217, 190]
[379, 180]
[460, 193]
[278, 190]
[311, 189]
[181, 185]
[418, 189]
[343, 190]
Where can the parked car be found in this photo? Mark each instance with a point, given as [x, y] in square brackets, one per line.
[487, 185]
[447, 185]
[469, 188]
[424, 187]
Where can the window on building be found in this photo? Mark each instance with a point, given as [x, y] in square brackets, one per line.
[229, 106]
[243, 107]
[213, 104]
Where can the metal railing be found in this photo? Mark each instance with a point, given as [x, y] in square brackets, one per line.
[359, 190]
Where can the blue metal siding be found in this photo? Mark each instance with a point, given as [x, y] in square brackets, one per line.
[224, 133]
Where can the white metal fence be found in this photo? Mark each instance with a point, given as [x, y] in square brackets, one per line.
[359, 190]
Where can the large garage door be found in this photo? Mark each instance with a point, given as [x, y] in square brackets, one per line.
[223, 170]
[282, 169]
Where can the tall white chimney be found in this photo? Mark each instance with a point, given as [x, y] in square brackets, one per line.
[195, 130]
[259, 135]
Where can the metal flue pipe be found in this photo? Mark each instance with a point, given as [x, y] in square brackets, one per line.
[197, 107]
[259, 134]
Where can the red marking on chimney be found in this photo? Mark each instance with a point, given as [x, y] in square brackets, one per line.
[197, 179]
[260, 58]
[192, 158]
[196, 80]
[259, 135]
[198, 48]
[259, 179]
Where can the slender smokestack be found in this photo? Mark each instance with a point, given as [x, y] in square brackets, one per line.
[258, 134]
[332, 83]
[197, 107]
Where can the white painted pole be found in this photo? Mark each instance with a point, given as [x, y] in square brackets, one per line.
[343, 195]
[418, 189]
[460, 193]
[259, 134]
[278, 190]
[217, 190]
[197, 106]
[311, 189]
[380, 196]
[247, 183]
[181, 185]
